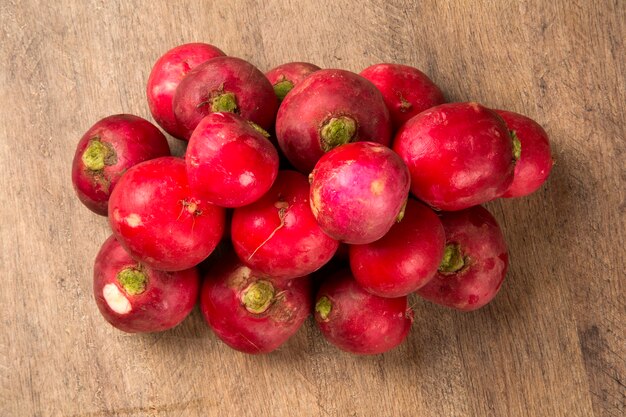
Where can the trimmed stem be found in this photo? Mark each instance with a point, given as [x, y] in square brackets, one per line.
[281, 89]
[517, 146]
[337, 131]
[453, 260]
[258, 297]
[225, 102]
[323, 307]
[97, 154]
[133, 280]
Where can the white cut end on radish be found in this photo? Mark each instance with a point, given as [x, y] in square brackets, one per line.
[133, 220]
[116, 300]
[246, 178]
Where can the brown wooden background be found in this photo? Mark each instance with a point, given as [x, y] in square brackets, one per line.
[553, 342]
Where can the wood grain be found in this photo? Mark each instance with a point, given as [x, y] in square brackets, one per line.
[551, 344]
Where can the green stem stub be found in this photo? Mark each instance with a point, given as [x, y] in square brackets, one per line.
[259, 129]
[323, 307]
[400, 215]
[225, 102]
[133, 280]
[453, 260]
[97, 155]
[337, 131]
[258, 297]
[517, 146]
[281, 89]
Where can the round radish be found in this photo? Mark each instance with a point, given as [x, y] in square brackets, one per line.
[165, 76]
[278, 234]
[327, 109]
[403, 260]
[286, 76]
[224, 84]
[107, 150]
[252, 312]
[229, 161]
[459, 155]
[358, 191]
[532, 150]
[474, 263]
[357, 321]
[407, 91]
[158, 219]
[136, 298]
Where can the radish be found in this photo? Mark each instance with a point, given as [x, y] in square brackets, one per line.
[357, 321]
[474, 263]
[252, 312]
[159, 220]
[136, 298]
[278, 234]
[531, 146]
[107, 150]
[358, 191]
[407, 91]
[403, 260]
[459, 155]
[224, 84]
[230, 162]
[165, 76]
[327, 109]
[286, 76]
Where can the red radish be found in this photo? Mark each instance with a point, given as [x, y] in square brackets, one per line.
[229, 161]
[407, 91]
[224, 84]
[359, 322]
[284, 77]
[358, 191]
[252, 312]
[459, 155]
[167, 73]
[532, 150]
[159, 220]
[327, 109]
[403, 260]
[136, 298]
[278, 234]
[474, 263]
[107, 150]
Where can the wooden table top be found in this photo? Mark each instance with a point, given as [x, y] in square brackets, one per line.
[551, 344]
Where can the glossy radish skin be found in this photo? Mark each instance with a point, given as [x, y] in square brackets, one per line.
[328, 109]
[138, 299]
[459, 155]
[159, 220]
[286, 76]
[252, 312]
[357, 321]
[278, 234]
[107, 150]
[165, 76]
[535, 159]
[229, 162]
[407, 91]
[224, 84]
[474, 264]
[358, 191]
[403, 260]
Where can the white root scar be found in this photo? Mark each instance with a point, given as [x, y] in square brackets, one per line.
[133, 220]
[115, 299]
[246, 178]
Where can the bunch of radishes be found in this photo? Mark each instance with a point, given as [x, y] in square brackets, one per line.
[358, 143]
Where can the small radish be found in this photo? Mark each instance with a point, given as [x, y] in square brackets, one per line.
[278, 234]
[327, 109]
[403, 260]
[532, 148]
[159, 220]
[253, 312]
[407, 91]
[165, 76]
[224, 84]
[286, 76]
[358, 191]
[230, 162]
[474, 263]
[136, 298]
[459, 155]
[107, 150]
[357, 321]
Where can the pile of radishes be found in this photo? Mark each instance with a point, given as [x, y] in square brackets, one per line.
[280, 171]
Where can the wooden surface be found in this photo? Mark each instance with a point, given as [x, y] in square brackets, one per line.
[551, 344]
